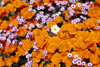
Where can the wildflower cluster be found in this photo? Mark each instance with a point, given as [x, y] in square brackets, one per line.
[49, 33]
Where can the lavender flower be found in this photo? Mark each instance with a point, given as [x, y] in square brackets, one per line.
[84, 12]
[20, 43]
[2, 38]
[14, 29]
[0, 31]
[26, 53]
[34, 10]
[27, 36]
[72, 1]
[2, 3]
[14, 41]
[69, 55]
[31, 26]
[26, 26]
[74, 61]
[10, 25]
[38, 25]
[78, 62]
[1, 45]
[35, 48]
[51, 8]
[83, 63]
[62, 8]
[30, 9]
[75, 56]
[35, 43]
[45, 53]
[32, 1]
[90, 64]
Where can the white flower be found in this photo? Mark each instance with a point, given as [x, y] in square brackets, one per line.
[55, 29]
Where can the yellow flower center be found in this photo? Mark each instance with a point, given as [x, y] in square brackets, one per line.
[55, 29]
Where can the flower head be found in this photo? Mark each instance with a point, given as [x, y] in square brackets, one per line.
[55, 29]
[69, 55]
[1, 45]
[90, 64]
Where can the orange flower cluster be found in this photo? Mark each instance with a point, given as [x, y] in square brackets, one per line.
[49, 33]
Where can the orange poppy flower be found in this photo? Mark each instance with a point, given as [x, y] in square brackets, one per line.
[8, 62]
[85, 38]
[78, 6]
[20, 51]
[34, 54]
[50, 24]
[52, 47]
[40, 41]
[34, 21]
[94, 59]
[18, 3]
[46, 1]
[45, 33]
[58, 19]
[71, 28]
[10, 49]
[22, 31]
[52, 65]
[27, 14]
[85, 53]
[54, 39]
[81, 45]
[98, 65]
[97, 1]
[67, 61]
[36, 60]
[41, 65]
[91, 23]
[80, 26]
[65, 46]
[92, 46]
[4, 25]
[94, 12]
[59, 65]
[37, 32]
[34, 64]
[48, 65]
[97, 51]
[56, 58]
[61, 34]
[11, 7]
[8, 1]
[66, 14]
[15, 58]
[40, 54]
[14, 23]
[49, 55]
[2, 63]
[27, 44]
